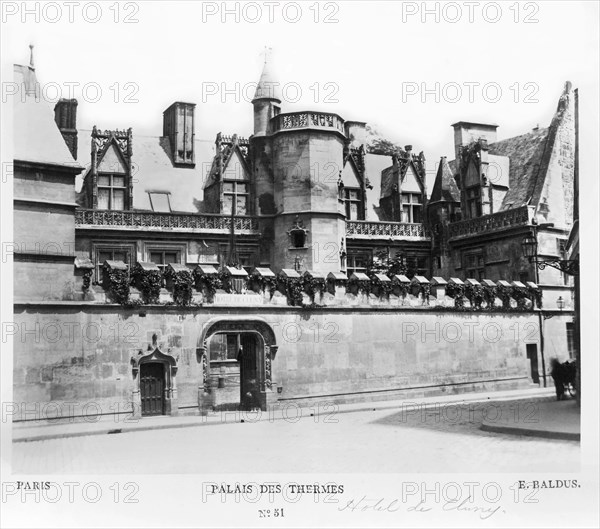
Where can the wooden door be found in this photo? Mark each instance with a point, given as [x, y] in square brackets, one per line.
[249, 379]
[152, 385]
[533, 360]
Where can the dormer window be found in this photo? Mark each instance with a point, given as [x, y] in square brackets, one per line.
[474, 201]
[235, 197]
[412, 204]
[352, 203]
[111, 191]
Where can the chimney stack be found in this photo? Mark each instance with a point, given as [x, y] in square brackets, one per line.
[178, 126]
[65, 115]
[466, 131]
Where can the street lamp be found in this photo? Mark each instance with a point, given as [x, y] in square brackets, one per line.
[529, 245]
[560, 303]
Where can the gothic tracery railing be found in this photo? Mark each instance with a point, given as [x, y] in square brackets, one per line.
[299, 120]
[384, 229]
[139, 219]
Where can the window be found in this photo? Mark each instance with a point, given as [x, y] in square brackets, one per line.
[162, 258]
[111, 254]
[474, 201]
[224, 347]
[298, 238]
[416, 266]
[571, 340]
[111, 191]
[160, 202]
[474, 266]
[235, 195]
[455, 214]
[352, 203]
[246, 261]
[412, 204]
[356, 262]
[561, 248]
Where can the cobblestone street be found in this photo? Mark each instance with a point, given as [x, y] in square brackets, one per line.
[445, 439]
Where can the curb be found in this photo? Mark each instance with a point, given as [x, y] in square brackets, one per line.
[362, 407]
[546, 434]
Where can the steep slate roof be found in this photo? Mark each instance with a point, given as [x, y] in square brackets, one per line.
[525, 153]
[153, 170]
[444, 187]
[36, 136]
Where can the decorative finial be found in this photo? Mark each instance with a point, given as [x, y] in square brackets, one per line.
[31, 65]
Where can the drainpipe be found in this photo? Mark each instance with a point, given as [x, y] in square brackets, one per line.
[541, 324]
[540, 320]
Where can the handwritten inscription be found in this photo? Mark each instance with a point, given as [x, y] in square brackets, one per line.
[466, 505]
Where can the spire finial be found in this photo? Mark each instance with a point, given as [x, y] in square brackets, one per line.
[267, 53]
[31, 65]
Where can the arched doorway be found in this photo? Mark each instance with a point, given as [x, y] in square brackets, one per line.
[236, 358]
[155, 391]
[152, 387]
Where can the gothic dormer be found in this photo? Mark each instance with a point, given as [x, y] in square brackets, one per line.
[227, 189]
[403, 191]
[473, 179]
[353, 183]
[110, 186]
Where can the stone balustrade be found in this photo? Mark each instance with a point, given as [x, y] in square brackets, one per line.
[497, 221]
[184, 222]
[306, 120]
[360, 229]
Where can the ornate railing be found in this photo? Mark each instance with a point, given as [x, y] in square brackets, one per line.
[384, 229]
[496, 221]
[173, 221]
[301, 120]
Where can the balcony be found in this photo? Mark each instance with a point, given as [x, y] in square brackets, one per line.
[177, 222]
[488, 223]
[307, 120]
[359, 229]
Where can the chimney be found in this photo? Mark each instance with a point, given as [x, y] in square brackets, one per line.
[356, 132]
[466, 131]
[178, 126]
[65, 115]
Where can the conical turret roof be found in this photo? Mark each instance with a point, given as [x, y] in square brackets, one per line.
[267, 87]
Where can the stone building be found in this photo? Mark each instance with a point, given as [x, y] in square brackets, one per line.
[171, 274]
[485, 201]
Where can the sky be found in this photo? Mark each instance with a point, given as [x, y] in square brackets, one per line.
[410, 69]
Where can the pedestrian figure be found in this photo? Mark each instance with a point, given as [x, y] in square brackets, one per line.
[563, 375]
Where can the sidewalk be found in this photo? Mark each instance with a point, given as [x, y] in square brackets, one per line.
[551, 419]
[549, 422]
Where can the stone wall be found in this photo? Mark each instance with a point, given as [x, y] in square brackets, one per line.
[75, 359]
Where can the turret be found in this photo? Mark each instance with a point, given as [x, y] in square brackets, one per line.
[266, 101]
